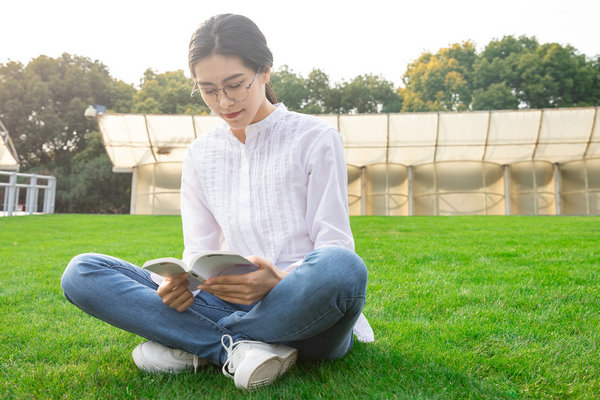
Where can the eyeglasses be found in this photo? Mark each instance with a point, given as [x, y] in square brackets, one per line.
[235, 92]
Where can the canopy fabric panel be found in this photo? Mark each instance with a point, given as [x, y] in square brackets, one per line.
[9, 160]
[135, 139]
[512, 136]
[411, 139]
[364, 138]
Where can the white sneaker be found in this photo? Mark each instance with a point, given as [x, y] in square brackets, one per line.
[154, 357]
[253, 364]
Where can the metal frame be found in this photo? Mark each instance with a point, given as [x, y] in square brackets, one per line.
[12, 191]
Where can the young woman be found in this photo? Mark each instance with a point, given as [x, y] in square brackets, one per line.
[268, 182]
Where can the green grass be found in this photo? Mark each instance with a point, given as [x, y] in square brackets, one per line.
[462, 308]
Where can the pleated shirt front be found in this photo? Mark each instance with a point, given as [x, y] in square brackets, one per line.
[279, 195]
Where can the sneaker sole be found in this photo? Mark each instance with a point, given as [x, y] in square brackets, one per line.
[262, 368]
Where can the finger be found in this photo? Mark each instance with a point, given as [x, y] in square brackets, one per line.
[226, 295]
[238, 300]
[228, 279]
[181, 301]
[226, 287]
[177, 280]
[260, 261]
[235, 294]
[171, 288]
[185, 306]
[184, 302]
[170, 296]
[168, 284]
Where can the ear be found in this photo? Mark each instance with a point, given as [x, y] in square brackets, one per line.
[266, 74]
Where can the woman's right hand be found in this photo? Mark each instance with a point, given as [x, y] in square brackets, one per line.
[175, 293]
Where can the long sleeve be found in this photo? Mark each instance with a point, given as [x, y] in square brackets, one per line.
[327, 215]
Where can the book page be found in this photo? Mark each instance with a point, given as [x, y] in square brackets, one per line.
[216, 264]
[168, 267]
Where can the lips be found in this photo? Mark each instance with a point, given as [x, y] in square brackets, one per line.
[232, 115]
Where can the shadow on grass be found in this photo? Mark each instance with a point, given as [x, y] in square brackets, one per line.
[370, 371]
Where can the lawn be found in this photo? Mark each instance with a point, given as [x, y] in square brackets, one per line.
[462, 308]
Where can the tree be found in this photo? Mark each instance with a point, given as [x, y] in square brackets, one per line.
[368, 94]
[290, 88]
[441, 81]
[364, 94]
[42, 105]
[318, 88]
[556, 76]
[513, 73]
[509, 73]
[121, 96]
[497, 96]
[167, 93]
[92, 187]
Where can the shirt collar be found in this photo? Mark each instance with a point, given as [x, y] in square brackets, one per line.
[267, 122]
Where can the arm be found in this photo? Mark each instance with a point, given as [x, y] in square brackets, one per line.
[200, 233]
[327, 215]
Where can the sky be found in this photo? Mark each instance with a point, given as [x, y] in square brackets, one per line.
[343, 38]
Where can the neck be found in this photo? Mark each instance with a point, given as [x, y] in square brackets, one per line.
[263, 112]
[240, 134]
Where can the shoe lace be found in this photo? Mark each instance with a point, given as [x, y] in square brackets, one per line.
[230, 349]
[195, 358]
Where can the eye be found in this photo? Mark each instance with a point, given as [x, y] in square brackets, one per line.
[208, 92]
[234, 85]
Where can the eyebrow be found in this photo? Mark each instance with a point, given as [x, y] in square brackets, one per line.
[234, 76]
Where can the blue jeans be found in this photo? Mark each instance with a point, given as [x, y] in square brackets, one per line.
[313, 309]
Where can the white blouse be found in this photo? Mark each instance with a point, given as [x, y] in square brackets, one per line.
[280, 195]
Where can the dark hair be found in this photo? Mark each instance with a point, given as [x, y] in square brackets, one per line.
[231, 34]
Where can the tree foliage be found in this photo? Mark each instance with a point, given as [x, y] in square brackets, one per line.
[167, 93]
[315, 95]
[441, 81]
[42, 103]
[509, 73]
[290, 88]
[92, 187]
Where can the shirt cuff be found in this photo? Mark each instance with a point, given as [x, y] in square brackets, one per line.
[294, 266]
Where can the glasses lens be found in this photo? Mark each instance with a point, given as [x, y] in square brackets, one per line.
[237, 93]
[210, 97]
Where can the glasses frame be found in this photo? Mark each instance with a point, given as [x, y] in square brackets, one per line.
[196, 89]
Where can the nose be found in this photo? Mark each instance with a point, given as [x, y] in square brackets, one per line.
[224, 101]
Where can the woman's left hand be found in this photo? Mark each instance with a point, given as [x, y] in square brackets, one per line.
[248, 288]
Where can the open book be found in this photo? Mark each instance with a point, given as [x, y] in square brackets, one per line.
[202, 267]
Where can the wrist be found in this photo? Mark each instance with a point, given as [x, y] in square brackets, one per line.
[282, 274]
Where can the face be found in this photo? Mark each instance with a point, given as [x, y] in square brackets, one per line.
[220, 71]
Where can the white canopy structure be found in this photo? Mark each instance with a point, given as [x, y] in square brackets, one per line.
[442, 163]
